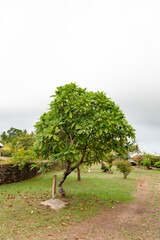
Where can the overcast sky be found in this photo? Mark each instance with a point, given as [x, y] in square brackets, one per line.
[111, 46]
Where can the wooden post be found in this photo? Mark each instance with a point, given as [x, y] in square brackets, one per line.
[54, 187]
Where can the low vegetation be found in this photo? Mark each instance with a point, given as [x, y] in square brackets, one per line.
[124, 167]
[147, 160]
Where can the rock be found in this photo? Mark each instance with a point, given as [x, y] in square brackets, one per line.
[55, 204]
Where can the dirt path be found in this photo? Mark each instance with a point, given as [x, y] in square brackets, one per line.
[138, 220]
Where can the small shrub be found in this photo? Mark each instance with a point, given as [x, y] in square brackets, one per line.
[157, 164]
[104, 168]
[147, 160]
[124, 167]
[147, 163]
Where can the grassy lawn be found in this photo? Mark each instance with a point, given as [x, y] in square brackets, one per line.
[22, 216]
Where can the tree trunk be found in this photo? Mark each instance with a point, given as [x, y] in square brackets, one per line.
[68, 171]
[62, 192]
[78, 174]
[125, 175]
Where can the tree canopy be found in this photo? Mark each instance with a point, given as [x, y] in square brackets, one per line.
[11, 134]
[80, 127]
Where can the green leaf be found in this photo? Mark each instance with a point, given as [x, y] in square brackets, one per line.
[73, 124]
[78, 127]
[80, 131]
[106, 130]
[70, 114]
[55, 137]
[108, 112]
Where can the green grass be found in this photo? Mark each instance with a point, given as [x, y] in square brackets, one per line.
[22, 216]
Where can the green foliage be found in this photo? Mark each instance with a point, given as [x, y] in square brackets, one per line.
[13, 146]
[26, 155]
[45, 166]
[157, 164]
[26, 141]
[104, 168]
[23, 157]
[155, 159]
[16, 140]
[134, 148]
[5, 153]
[109, 158]
[147, 163]
[10, 134]
[124, 167]
[4, 137]
[80, 122]
[80, 127]
[147, 160]
[138, 158]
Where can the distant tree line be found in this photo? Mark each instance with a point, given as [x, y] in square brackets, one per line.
[15, 140]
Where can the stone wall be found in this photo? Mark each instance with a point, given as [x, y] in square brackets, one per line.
[9, 174]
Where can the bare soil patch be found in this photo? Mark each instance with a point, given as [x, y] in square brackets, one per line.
[138, 219]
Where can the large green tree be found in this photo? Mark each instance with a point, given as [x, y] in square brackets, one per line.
[80, 127]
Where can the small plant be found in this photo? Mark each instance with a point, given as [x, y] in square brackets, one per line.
[157, 165]
[124, 167]
[104, 168]
[138, 158]
[147, 161]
